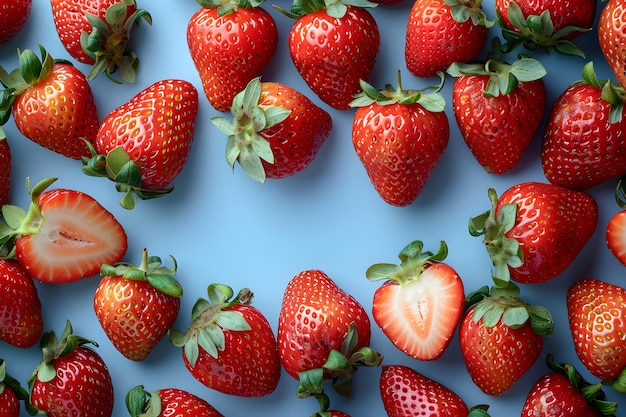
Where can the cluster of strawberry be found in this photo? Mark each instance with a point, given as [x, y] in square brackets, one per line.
[532, 232]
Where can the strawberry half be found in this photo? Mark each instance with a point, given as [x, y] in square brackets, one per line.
[421, 303]
[616, 227]
[64, 236]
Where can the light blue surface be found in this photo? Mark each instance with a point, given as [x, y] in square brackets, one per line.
[223, 227]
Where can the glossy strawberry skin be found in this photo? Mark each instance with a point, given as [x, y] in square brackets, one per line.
[581, 149]
[249, 365]
[9, 403]
[434, 40]
[59, 112]
[134, 315]
[333, 54]
[82, 385]
[225, 67]
[296, 141]
[143, 127]
[496, 137]
[21, 321]
[616, 236]
[404, 392]
[14, 14]
[553, 225]
[314, 319]
[176, 402]
[612, 37]
[497, 357]
[399, 146]
[596, 318]
[553, 395]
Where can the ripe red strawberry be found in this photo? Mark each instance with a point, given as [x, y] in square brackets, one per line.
[318, 323]
[6, 167]
[11, 393]
[21, 322]
[137, 305]
[144, 144]
[399, 136]
[498, 108]
[167, 402]
[406, 392]
[547, 24]
[229, 345]
[64, 236]
[51, 102]
[616, 227]
[420, 304]
[333, 64]
[286, 133]
[612, 38]
[583, 145]
[534, 231]
[440, 33]
[564, 393]
[97, 33]
[596, 311]
[501, 337]
[72, 379]
[13, 14]
[230, 44]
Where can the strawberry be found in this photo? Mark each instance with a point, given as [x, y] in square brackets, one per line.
[320, 326]
[144, 144]
[596, 311]
[5, 169]
[419, 305]
[440, 32]
[285, 134]
[230, 42]
[333, 62]
[21, 322]
[137, 305]
[72, 379]
[564, 393]
[65, 235]
[229, 345]
[97, 33]
[167, 402]
[583, 145]
[399, 136]
[616, 227]
[498, 108]
[612, 38]
[51, 102]
[11, 393]
[547, 24]
[501, 336]
[534, 231]
[14, 14]
[406, 392]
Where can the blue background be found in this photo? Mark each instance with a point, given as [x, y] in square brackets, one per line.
[223, 227]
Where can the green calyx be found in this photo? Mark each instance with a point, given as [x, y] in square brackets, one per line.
[537, 31]
[225, 7]
[465, 10]
[620, 192]
[413, 261]
[8, 382]
[245, 144]
[612, 92]
[107, 42]
[31, 69]
[151, 270]
[504, 252]
[118, 166]
[592, 392]
[210, 317]
[19, 222]
[503, 302]
[503, 77]
[141, 403]
[339, 368]
[479, 411]
[334, 8]
[432, 101]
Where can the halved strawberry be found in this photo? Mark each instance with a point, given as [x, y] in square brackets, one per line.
[421, 303]
[616, 227]
[64, 236]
